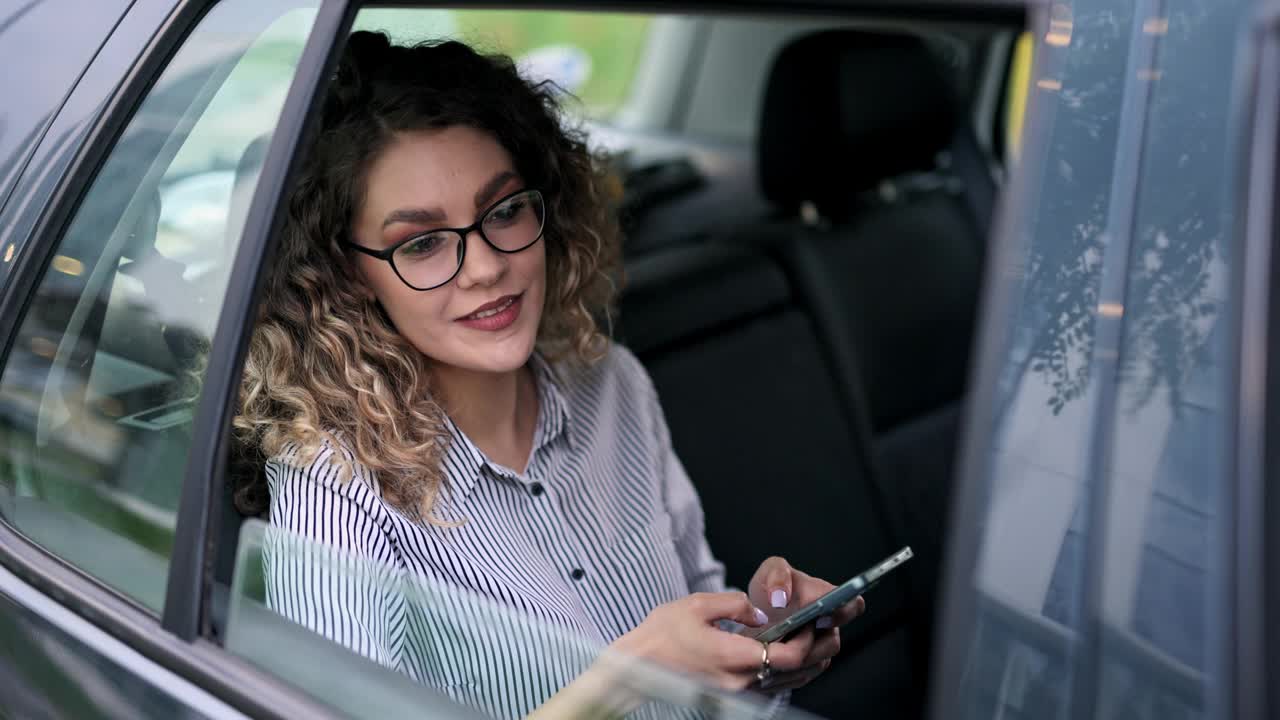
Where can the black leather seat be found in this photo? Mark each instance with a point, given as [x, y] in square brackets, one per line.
[885, 199]
[853, 126]
[759, 415]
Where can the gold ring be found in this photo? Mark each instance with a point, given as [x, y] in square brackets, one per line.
[765, 670]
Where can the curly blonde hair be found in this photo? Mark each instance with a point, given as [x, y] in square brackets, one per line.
[326, 368]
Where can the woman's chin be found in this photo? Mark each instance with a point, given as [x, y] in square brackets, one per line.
[498, 356]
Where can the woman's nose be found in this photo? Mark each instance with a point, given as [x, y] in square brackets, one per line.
[482, 265]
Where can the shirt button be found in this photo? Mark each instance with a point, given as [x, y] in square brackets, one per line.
[577, 574]
[535, 489]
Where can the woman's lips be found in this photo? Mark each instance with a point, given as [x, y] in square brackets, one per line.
[495, 316]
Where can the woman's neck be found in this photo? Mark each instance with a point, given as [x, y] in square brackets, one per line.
[497, 411]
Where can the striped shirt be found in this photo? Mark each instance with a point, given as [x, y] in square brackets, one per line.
[601, 527]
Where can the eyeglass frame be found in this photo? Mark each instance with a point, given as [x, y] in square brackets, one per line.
[388, 254]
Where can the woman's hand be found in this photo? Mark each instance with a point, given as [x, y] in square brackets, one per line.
[781, 590]
[683, 636]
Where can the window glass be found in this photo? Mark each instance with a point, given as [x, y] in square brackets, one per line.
[734, 56]
[97, 394]
[594, 56]
[468, 642]
[1109, 432]
[1166, 530]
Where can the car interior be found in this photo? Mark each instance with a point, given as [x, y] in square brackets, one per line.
[803, 291]
[804, 301]
[811, 360]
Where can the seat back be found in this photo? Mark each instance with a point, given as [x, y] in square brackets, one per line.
[884, 197]
[869, 155]
[759, 419]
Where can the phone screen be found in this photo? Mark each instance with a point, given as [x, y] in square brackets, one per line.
[839, 596]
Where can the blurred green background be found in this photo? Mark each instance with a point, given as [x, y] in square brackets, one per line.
[609, 43]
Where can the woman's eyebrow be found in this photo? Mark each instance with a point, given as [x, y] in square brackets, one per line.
[417, 216]
[422, 216]
[491, 188]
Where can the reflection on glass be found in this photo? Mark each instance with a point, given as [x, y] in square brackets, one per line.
[1059, 34]
[480, 650]
[99, 389]
[1163, 573]
[1159, 498]
[1029, 568]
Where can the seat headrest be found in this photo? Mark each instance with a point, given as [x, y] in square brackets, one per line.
[845, 109]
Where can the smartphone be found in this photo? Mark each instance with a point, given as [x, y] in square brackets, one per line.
[832, 601]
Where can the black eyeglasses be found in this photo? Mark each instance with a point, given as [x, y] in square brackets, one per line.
[433, 258]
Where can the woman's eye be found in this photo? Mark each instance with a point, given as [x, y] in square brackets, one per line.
[507, 212]
[422, 245]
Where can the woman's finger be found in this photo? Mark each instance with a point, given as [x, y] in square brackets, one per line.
[733, 653]
[843, 615]
[826, 645]
[795, 679]
[792, 654]
[733, 681]
[736, 606]
[808, 588]
[775, 577]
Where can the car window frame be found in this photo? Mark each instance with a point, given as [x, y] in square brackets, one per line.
[1257, 461]
[190, 582]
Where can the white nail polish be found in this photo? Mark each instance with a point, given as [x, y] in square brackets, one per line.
[761, 618]
[778, 598]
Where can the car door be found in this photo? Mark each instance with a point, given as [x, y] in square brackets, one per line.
[1103, 560]
[116, 280]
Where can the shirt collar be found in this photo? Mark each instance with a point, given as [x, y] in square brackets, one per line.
[553, 408]
[463, 461]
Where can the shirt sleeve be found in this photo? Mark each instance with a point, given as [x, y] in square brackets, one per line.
[329, 563]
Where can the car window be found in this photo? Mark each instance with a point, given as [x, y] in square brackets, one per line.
[1165, 570]
[733, 57]
[101, 379]
[593, 55]
[1102, 566]
[467, 641]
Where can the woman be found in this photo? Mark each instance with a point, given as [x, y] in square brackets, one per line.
[433, 391]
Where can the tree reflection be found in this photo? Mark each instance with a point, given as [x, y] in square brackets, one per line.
[1169, 306]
